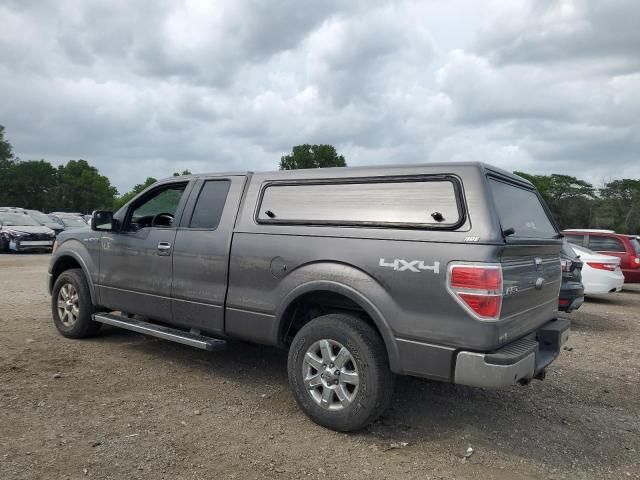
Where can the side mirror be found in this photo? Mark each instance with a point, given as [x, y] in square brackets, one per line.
[102, 220]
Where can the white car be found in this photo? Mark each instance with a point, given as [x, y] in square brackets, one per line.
[600, 273]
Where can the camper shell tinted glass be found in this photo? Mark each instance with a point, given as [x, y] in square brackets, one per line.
[411, 202]
[521, 209]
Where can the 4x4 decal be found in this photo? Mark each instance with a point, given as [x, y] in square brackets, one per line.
[417, 266]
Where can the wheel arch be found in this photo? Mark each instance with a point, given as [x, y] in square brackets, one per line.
[286, 311]
[68, 260]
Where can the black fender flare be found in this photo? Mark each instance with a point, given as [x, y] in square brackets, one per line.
[336, 287]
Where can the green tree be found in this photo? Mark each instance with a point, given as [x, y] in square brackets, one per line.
[120, 201]
[184, 172]
[6, 169]
[33, 185]
[312, 156]
[6, 150]
[621, 199]
[81, 188]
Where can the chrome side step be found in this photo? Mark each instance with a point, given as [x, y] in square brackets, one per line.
[160, 331]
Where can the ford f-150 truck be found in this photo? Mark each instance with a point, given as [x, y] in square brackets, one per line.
[445, 271]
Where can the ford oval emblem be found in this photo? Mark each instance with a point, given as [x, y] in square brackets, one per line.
[539, 283]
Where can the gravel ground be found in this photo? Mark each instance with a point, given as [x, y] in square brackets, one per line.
[122, 405]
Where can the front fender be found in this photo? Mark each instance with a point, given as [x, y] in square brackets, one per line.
[74, 249]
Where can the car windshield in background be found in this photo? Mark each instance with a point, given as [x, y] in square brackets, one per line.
[520, 209]
[39, 217]
[73, 222]
[9, 219]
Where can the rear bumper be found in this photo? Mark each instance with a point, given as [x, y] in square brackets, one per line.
[519, 361]
[571, 296]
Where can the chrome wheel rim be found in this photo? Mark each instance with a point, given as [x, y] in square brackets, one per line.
[330, 374]
[68, 305]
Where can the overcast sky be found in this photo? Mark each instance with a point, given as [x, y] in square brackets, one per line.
[144, 90]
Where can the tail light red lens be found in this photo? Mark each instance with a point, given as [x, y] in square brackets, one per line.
[484, 305]
[476, 278]
[603, 266]
[478, 288]
[635, 261]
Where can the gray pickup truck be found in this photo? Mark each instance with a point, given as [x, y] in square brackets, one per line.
[444, 271]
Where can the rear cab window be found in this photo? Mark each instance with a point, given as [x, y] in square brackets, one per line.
[406, 203]
[521, 209]
[635, 244]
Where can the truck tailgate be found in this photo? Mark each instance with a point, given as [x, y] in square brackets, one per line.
[531, 283]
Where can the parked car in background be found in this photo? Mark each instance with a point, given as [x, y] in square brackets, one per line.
[625, 247]
[73, 214]
[44, 219]
[20, 232]
[601, 274]
[571, 290]
[69, 221]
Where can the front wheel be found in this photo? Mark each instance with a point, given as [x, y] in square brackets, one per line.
[71, 305]
[339, 372]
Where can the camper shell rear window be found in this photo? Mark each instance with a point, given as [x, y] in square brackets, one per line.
[429, 202]
[521, 209]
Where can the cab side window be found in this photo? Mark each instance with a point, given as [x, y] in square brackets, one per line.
[157, 209]
[209, 206]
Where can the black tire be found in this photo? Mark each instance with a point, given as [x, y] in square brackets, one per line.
[367, 349]
[83, 326]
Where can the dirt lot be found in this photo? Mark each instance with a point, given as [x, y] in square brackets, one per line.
[125, 406]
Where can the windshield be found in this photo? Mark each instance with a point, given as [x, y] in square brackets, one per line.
[521, 209]
[73, 222]
[39, 216]
[17, 220]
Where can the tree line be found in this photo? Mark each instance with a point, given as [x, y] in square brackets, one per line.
[79, 186]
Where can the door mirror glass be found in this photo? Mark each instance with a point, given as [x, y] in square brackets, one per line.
[102, 221]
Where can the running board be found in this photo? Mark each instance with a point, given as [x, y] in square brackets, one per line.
[160, 331]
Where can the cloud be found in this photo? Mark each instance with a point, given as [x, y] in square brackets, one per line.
[147, 88]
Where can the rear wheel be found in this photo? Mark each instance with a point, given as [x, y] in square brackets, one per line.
[339, 372]
[71, 305]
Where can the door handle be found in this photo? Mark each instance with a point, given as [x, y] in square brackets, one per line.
[164, 248]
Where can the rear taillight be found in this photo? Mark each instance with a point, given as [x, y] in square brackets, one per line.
[635, 260]
[478, 288]
[565, 265]
[603, 266]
